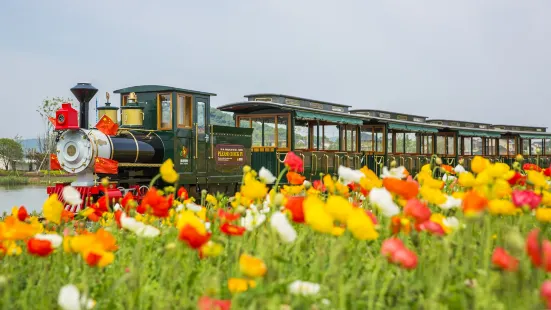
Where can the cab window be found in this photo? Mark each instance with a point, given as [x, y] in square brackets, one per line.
[184, 111]
[164, 111]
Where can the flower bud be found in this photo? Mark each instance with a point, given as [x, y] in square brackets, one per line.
[438, 160]
[461, 161]
[516, 164]
[278, 199]
[519, 158]
[307, 184]
[393, 164]
[514, 242]
[105, 182]
[246, 169]
[204, 192]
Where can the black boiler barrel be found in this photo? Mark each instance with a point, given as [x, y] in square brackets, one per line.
[137, 147]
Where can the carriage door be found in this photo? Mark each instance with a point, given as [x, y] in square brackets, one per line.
[202, 136]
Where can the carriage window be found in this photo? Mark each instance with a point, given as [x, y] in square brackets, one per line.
[502, 146]
[349, 138]
[301, 135]
[467, 150]
[411, 142]
[244, 123]
[366, 139]
[490, 146]
[536, 146]
[201, 116]
[440, 145]
[512, 147]
[257, 132]
[390, 142]
[525, 146]
[184, 111]
[400, 138]
[282, 124]
[451, 145]
[477, 146]
[330, 138]
[426, 144]
[269, 132]
[547, 147]
[317, 133]
[164, 107]
[379, 141]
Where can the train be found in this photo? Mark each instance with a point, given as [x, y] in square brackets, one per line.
[156, 123]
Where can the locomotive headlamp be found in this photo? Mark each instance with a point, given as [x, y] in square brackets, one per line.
[61, 119]
[66, 117]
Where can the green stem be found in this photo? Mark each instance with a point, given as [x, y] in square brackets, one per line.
[155, 178]
[279, 178]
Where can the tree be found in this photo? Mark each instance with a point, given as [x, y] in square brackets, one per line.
[47, 110]
[10, 151]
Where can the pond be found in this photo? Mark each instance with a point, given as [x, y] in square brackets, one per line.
[32, 197]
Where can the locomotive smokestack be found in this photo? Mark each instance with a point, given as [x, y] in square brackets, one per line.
[84, 92]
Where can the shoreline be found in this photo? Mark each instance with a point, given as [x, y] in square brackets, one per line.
[33, 179]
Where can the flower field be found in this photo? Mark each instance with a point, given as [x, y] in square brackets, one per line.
[445, 238]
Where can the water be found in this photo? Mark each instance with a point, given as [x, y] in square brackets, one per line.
[32, 197]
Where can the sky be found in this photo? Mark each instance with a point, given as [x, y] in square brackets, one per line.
[481, 61]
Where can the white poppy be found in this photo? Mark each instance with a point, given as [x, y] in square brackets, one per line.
[252, 219]
[304, 288]
[451, 222]
[179, 208]
[383, 199]
[451, 202]
[116, 207]
[71, 195]
[397, 173]
[265, 175]
[281, 224]
[139, 228]
[70, 299]
[350, 175]
[193, 207]
[459, 169]
[446, 177]
[55, 239]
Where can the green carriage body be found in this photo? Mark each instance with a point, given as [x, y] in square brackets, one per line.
[205, 155]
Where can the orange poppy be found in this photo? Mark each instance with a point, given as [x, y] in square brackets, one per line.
[473, 203]
[39, 247]
[295, 178]
[405, 189]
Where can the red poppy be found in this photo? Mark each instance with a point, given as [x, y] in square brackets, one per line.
[39, 247]
[504, 260]
[192, 237]
[182, 193]
[157, 204]
[406, 258]
[547, 172]
[545, 292]
[318, 185]
[22, 214]
[533, 248]
[417, 210]
[517, 179]
[294, 162]
[448, 169]
[531, 167]
[432, 227]
[390, 246]
[126, 201]
[118, 215]
[294, 205]
[397, 253]
[93, 259]
[207, 303]
[232, 230]
[223, 215]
